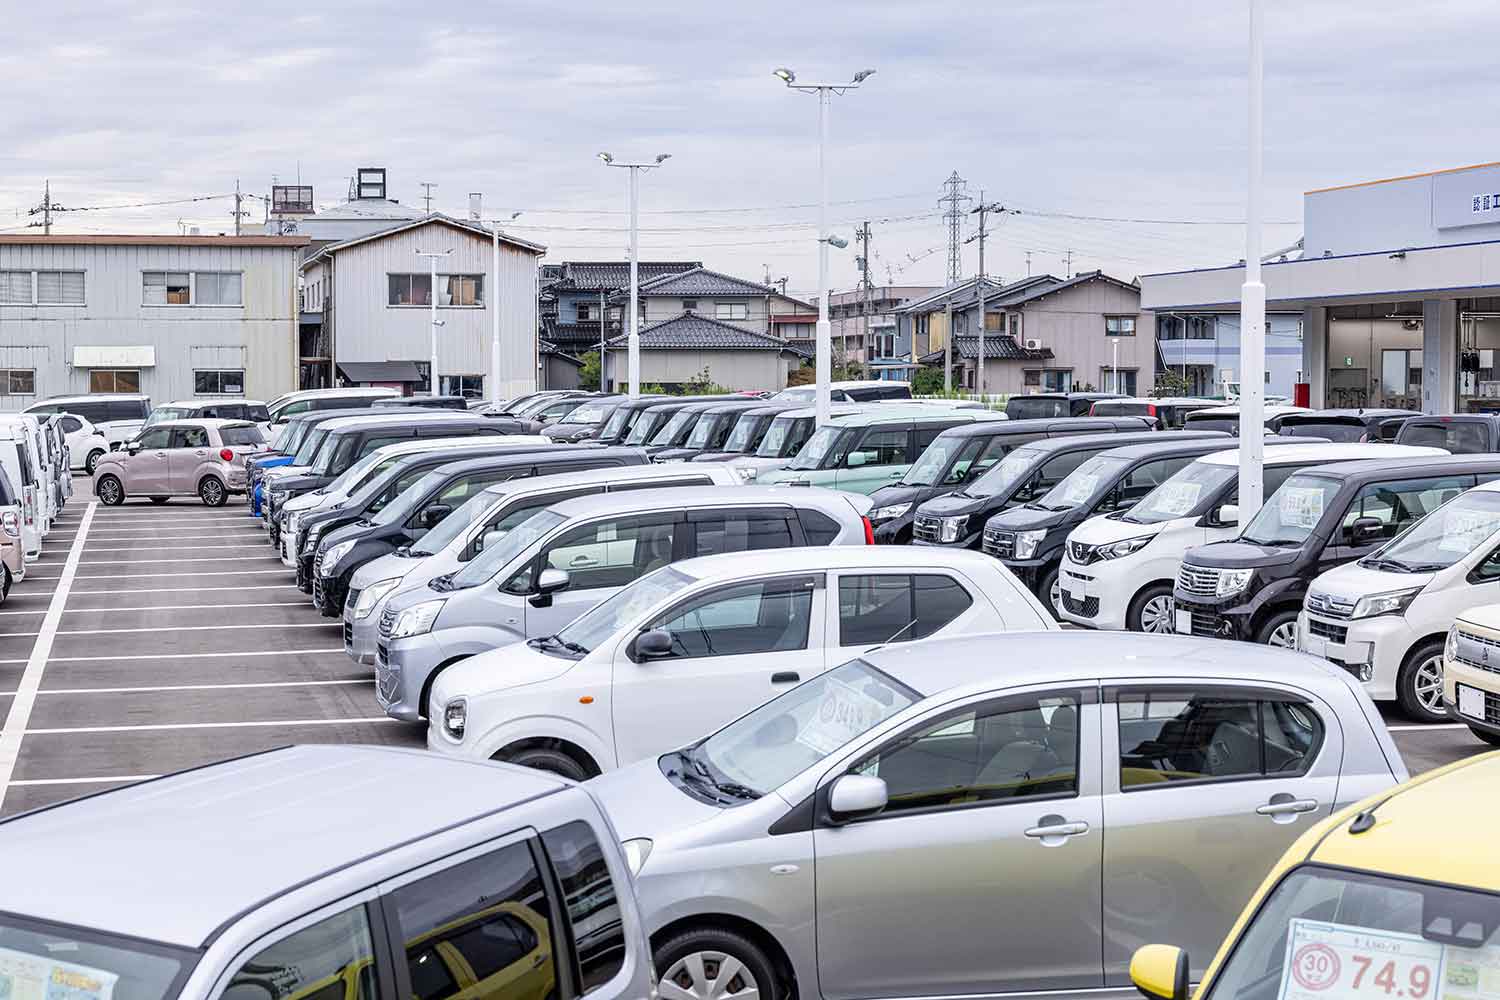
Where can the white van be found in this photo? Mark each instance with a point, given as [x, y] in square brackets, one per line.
[1385, 617]
[17, 457]
[117, 415]
[46, 506]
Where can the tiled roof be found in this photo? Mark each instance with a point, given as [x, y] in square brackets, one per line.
[700, 281]
[610, 275]
[548, 349]
[997, 347]
[1073, 282]
[691, 331]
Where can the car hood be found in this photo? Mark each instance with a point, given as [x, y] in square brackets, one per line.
[342, 533]
[386, 567]
[568, 430]
[497, 670]
[1351, 581]
[641, 802]
[1027, 518]
[1103, 529]
[672, 454]
[949, 504]
[1233, 554]
[898, 493]
[280, 471]
[720, 456]
[304, 502]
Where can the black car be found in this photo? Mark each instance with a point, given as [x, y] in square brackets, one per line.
[585, 421]
[423, 503]
[1347, 425]
[1251, 588]
[1055, 404]
[427, 402]
[957, 519]
[1169, 412]
[961, 455]
[621, 423]
[706, 429]
[298, 437]
[1227, 418]
[1029, 539]
[1460, 433]
[748, 432]
[654, 419]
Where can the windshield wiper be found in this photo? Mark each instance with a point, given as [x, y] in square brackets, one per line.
[1273, 543]
[1390, 564]
[727, 787]
[557, 642]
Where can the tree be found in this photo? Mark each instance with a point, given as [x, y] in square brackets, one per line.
[1171, 383]
[591, 374]
[927, 382]
[702, 385]
[806, 375]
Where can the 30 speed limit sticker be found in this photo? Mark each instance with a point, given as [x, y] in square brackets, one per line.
[1341, 962]
[1316, 966]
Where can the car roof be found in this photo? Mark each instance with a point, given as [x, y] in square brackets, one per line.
[1271, 410]
[1335, 451]
[1371, 413]
[84, 397]
[354, 390]
[1448, 418]
[417, 446]
[626, 473]
[700, 496]
[1163, 400]
[1167, 444]
[204, 422]
[1070, 395]
[1072, 442]
[216, 401]
[474, 463]
[900, 558]
[1418, 464]
[1035, 425]
[206, 845]
[913, 413]
[374, 418]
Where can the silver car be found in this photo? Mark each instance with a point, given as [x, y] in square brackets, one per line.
[989, 814]
[293, 881]
[205, 458]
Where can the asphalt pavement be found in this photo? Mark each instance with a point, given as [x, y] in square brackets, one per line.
[150, 638]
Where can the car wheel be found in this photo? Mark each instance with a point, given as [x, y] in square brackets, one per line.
[1152, 611]
[92, 462]
[1419, 685]
[111, 492]
[158, 499]
[546, 759]
[1050, 591]
[1280, 631]
[715, 964]
[212, 492]
[5, 582]
[1493, 739]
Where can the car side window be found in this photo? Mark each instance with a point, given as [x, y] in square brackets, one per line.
[157, 437]
[333, 959]
[611, 553]
[896, 607]
[189, 437]
[292, 409]
[768, 616]
[1142, 480]
[731, 531]
[1399, 505]
[879, 446]
[1019, 747]
[593, 904]
[1487, 570]
[1056, 470]
[1169, 736]
[71, 424]
[963, 462]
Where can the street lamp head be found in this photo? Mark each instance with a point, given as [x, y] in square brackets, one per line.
[837, 241]
[784, 75]
[606, 158]
[863, 75]
[515, 215]
[663, 156]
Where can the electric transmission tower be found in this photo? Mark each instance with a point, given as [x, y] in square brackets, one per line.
[953, 200]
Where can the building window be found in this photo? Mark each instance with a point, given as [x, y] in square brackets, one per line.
[1049, 379]
[731, 311]
[114, 380]
[218, 288]
[1015, 324]
[586, 312]
[42, 288]
[467, 386]
[219, 382]
[1119, 326]
[15, 288]
[1121, 381]
[461, 290]
[688, 305]
[409, 289]
[18, 381]
[453, 290]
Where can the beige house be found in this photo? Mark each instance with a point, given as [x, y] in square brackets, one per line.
[679, 350]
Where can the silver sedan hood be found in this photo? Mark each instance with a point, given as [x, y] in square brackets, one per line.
[642, 802]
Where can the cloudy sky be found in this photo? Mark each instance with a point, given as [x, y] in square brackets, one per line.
[1082, 114]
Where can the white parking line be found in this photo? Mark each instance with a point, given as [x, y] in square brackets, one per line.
[31, 678]
[194, 628]
[169, 548]
[1422, 728]
[205, 687]
[153, 727]
[166, 607]
[283, 571]
[173, 590]
[132, 562]
[113, 658]
[33, 782]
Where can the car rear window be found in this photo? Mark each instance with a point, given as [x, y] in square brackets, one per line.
[1457, 436]
[818, 528]
[248, 434]
[1030, 409]
[1332, 429]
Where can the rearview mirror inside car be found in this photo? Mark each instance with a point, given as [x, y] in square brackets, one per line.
[855, 795]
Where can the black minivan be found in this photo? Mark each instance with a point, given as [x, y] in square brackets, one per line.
[1251, 587]
[1029, 539]
[747, 433]
[962, 454]
[1039, 405]
[1460, 433]
[1347, 425]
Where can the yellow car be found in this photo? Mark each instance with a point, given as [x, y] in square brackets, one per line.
[1394, 898]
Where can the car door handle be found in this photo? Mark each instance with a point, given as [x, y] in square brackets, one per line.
[785, 677]
[896, 475]
[1054, 830]
[1283, 804]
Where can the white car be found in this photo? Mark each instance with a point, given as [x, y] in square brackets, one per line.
[1118, 569]
[1385, 618]
[689, 647]
[86, 443]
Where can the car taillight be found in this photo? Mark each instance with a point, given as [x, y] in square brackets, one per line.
[10, 524]
[869, 531]
[226, 454]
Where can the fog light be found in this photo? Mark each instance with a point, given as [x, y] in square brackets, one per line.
[455, 716]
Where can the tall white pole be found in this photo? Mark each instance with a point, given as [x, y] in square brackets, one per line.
[1253, 301]
[432, 375]
[493, 301]
[634, 344]
[823, 359]
[1114, 365]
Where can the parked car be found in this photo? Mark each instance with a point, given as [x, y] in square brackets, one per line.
[1029, 539]
[59, 463]
[12, 545]
[1471, 683]
[297, 441]
[1252, 587]
[749, 429]
[1459, 433]
[1169, 412]
[290, 404]
[861, 452]
[853, 834]
[1227, 418]
[657, 417]
[493, 881]
[19, 463]
[691, 646]
[671, 435]
[86, 443]
[216, 408]
[706, 430]
[557, 564]
[851, 391]
[422, 401]
[116, 415]
[583, 421]
[43, 478]
[1040, 405]
[1347, 425]
[623, 419]
[1125, 565]
[202, 458]
[542, 412]
[784, 437]
[962, 454]
[482, 521]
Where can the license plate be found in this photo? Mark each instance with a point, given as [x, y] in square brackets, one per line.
[1184, 622]
[1316, 645]
[1073, 588]
[1470, 702]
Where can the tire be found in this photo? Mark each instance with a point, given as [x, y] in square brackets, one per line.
[1419, 683]
[111, 491]
[695, 960]
[1151, 611]
[546, 759]
[92, 462]
[158, 500]
[1050, 593]
[212, 492]
[1493, 739]
[1280, 630]
[5, 582]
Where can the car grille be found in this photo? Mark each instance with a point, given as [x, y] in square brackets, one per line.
[1000, 544]
[382, 655]
[1086, 608]
[387, 622]
[317, 565]
[1207, 623]
[1198, 581]
[1327, 630]
[1479, 652]
[927, 529]
[1329, 606]
[351, 598]
[1080, 553]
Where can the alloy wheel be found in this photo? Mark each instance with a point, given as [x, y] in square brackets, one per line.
[1427, 684]
[1157, 614]
[109, 491]
[1284, 636]
[709, 975]
[211, 492]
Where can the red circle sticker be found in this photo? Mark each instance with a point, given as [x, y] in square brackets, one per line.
[1315, 966]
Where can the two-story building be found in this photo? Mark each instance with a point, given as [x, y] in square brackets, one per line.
[577, 299]
[170, 316]
[886, 351]
[1203, 346]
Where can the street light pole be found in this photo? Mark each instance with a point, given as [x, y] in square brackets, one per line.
[823, 354]
[633, 342]
[1253, 299]
[432, 258]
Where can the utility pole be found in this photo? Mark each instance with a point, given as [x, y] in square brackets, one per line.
[982, 210]
[1253, 296]
[863, 235]
[953, 199]
[633, 342]
[237, 212]
[1028, 263]
[427, 187]
[603, 314]
[45, 209]
[1069, 272]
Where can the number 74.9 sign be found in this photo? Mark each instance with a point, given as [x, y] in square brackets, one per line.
[1340, 962]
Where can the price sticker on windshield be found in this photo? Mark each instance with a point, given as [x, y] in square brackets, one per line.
[1339, 962]
[1301, 506]
[1080, 487]
[1463, 530]
[1177, 498]
[841, 714]
[24, 976]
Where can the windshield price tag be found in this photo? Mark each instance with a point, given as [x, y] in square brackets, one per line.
[1177, 498]
[842, 714]
[31, 977]
[1463, 530]
[1339, 962]
[1301, 506]
[1080, 487]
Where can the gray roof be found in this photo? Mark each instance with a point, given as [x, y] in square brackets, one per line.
[380, 371]
[205, 845]
[966, 292]
[691, 331]
[548, 349]
[609, 275]
[701, 281]
[683, 497]
[473, 228]
[1032, 295]
[997, 347]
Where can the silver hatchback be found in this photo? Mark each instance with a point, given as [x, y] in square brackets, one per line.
[989, 814]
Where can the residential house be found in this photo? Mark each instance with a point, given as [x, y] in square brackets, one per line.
[887, 351]
[793, 321]
[170, 316]
[922, 323]
[1204, 347]
[559, 370]
[686, 347]
[576, 294]
[702, 292]
[367, 301]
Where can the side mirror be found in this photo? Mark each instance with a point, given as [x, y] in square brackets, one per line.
[857, 795]
[855, 459]
[1229, 513]
[434, 514]
[650, 645]
[131, 447]
[1365, 530]
[548, 583]
[1160, 972]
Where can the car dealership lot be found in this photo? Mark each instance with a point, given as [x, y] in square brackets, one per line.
[175, 637]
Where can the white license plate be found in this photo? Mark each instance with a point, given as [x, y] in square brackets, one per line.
[1073, 588]
[1184, 622]
[1470, 702]
[1316, 645]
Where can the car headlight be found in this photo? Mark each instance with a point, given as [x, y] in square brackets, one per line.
[293, 522]
[746, 472]
[889, 512]
[1450, 648]
[371, 595]
[333, 555]
[455, 717]
[1027, 542]
[1392, 602]
[636, 852]
[1124, 547]
[951, 529]
[1232, 581]
[417, 619]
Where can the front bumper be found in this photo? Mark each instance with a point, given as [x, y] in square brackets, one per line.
[1456, 672]
[895, 531]
[359, 635]
[1083, 589]
[1229, 618]
[1371, 649]
[329, 594]
[402, 667]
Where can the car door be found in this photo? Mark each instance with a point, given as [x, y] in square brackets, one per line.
[148, 467]
[876, 609]
[599, 557]
[880, 457]
[188, 450]
[733, 648]
[1206, 786]
[982, 873]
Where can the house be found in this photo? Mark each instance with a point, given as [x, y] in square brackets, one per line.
[1203, 345]
[170, 316]
[559, 369]
[702, 292]
[1054, 335]
[682, 348]
[886, 352]
[368, 300]
[576, 294]
[922, 323]
[793, 321]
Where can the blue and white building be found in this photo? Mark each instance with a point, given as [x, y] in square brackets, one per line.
[1204, 347]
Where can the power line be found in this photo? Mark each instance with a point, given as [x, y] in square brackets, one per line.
[1148, 222]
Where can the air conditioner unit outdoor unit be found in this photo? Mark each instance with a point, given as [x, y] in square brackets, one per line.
[1033, 344]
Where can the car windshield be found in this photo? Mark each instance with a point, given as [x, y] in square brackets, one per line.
[1292, 513]
[1353, 934]
[1443, 537]
[744, 432]
[779, 740]
[1093, 477]
[825, 448]
[494, 558]
[287, 438]
[44, 960]
[776, 436]
[359, 475]
[795, 395]
[1187, 494]
[338, 454]
[310, 446]
[245, 434]
[930, 467]
[1228, 423]
[1022, 408]
[1120, 408]
[440, 537]
[646, 425]
[167, 413]
[401, 507]
[590, 413]
[616, 422]
[1343, 429]
[596, 626]
[1460, 437]
[1006, 476]
[675, 427]
[704, 429]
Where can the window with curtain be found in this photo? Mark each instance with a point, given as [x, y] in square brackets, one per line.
[219, 382]
[15, 288]
[114, 380]
[731, 310]
[166, 288]
[18, 381]
[461, 290]
[409, 289]
[59, 288]
[1119, 326]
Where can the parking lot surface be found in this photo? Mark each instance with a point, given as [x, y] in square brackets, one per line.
[150, 639]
